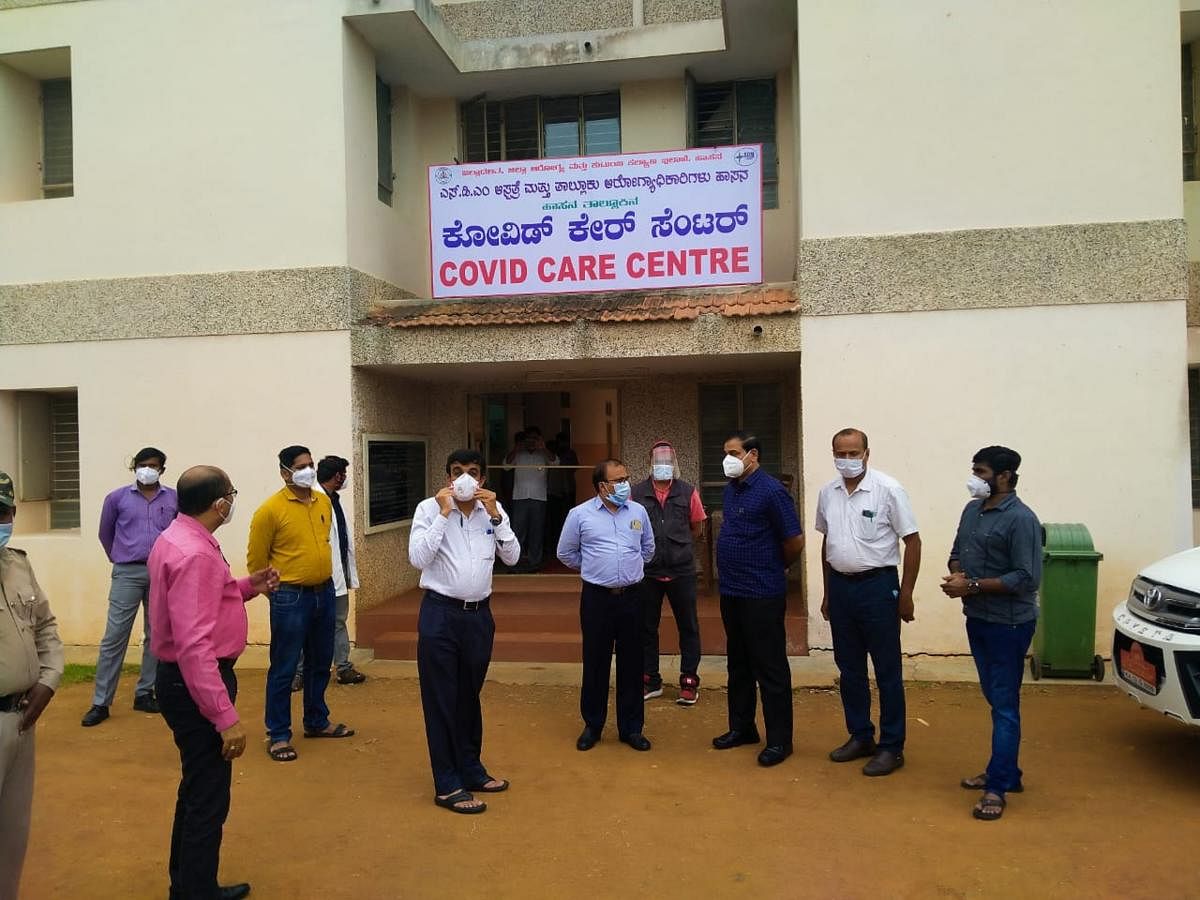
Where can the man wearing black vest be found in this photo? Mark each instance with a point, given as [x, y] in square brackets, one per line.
[677, 516]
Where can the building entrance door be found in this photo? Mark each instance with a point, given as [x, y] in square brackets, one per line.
[540, 448]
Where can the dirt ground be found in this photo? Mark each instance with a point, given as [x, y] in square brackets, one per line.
[1109, 807]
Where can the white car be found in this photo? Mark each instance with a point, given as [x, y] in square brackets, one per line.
[1156, 645]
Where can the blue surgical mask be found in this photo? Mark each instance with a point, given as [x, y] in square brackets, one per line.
[5, 534]
[663, 471]
[620, 493]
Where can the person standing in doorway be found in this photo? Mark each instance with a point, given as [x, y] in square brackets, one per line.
[996, 569]
[529, 497]
[31, 664]
[677, 517]
[456, 536]
[608, 540]
[760, 537]
[290, 533]
[331, 479]
[864, 515]
[132, 518]
[199, 612]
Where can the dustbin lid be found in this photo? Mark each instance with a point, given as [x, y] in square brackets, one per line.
[1068, 541]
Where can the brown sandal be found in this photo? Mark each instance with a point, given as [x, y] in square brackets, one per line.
[286, 753]
[979, 783]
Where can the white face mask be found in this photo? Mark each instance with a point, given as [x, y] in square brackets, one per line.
[978, 488]
[663, 472]
[464, 487]
[849, 468]
[733, 466]
[305, 477]
[228, 514]
[146, 475]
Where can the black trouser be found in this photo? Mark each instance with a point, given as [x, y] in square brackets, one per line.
[607, 619]
[454, 648]
[681, 592]
[203, 800]
[756, 651]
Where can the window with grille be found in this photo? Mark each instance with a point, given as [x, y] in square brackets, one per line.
[725, 408]
[396, 479]
[58, 167]
[738, 112]
[1194, 431]
[383, 136]
[541, 128]
[48, 453]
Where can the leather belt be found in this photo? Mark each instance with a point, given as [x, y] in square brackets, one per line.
[468, 605]
[615, 591]
[863, 576]
[8, 703]
[225, 665]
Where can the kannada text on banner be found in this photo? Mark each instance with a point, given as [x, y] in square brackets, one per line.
[636, 221]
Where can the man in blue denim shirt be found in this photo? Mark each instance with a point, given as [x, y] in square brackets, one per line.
[609, 539]
[995, 568]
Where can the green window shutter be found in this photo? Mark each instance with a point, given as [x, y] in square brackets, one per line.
[756, 125]
[383, 131]
[64, 458]
[58, 169]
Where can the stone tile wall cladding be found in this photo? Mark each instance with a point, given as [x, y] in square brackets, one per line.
[490, 19]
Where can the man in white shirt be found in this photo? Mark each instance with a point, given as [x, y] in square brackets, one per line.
[864, 515]
[456, 536]
[529, 496]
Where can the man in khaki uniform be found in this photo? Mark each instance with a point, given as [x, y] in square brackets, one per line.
[31, 663]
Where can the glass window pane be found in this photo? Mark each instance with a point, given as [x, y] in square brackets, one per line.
[521, 129]
[560, 127]
[602, 124]
[714, 115]
[57, 153]
[474, 133]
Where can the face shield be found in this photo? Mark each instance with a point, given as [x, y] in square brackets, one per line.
[663, 464]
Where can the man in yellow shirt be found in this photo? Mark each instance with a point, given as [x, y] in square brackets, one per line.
[290, 533]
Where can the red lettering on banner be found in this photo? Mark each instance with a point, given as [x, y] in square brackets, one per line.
[720, 257]
[496, 271]
[741, 259]
[446, 274]
[608, 267]
[635, 264]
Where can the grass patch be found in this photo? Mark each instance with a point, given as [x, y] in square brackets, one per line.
[75, 673]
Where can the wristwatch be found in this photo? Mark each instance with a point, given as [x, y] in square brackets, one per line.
[496, 520]
[973, 586]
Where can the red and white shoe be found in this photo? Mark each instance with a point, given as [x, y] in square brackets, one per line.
[651, 687]
[689, 690]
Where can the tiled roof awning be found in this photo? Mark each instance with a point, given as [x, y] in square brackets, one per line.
[663, 306]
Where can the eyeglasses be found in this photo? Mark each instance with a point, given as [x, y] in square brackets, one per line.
[231, 494]
[624, 480]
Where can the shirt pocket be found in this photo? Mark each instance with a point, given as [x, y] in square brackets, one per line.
[162, 516]
[483, 543]
[865, 523]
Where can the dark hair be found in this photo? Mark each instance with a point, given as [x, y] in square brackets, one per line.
[518, 437]
[532, 429]
[287, 456]
[601, 470]
[466, 457]
[851, 432]
[563, 439]
[199, 487]
[749, 441]
[330, 466]
[999, 459]
[148, 453]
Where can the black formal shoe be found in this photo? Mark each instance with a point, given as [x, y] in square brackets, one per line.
[735, 739]
[233, 891]
[637, 741]
[146, 703]
[773, 756]
[855, 748]
[587, 740]
[94, 716]
[885, 762]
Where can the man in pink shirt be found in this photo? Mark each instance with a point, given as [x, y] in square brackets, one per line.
[198, 630]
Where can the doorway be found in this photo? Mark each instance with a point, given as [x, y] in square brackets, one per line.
[577, 429]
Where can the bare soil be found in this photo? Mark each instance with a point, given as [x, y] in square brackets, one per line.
[1109, 808]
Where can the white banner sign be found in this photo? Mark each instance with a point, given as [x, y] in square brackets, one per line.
[637, 221]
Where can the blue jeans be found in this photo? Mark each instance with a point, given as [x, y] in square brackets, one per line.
[999, 652]
[865, 620]
[302, 620]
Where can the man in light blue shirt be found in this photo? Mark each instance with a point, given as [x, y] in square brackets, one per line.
[609, 539]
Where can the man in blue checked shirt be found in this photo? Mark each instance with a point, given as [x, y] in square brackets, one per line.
[760, 537]
[609, 539]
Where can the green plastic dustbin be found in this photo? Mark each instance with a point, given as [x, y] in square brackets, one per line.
[1064, 645]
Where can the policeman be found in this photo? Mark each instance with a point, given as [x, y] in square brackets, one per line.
[31, 664]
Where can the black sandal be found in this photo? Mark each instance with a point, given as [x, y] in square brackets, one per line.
[340, 732]
[459, 796]
[979, 783]
[286, 753]
[483, 789]
[989, 808]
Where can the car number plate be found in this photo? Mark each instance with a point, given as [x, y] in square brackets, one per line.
[1137, 670]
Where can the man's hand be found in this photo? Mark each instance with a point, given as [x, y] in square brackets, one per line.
[906, 607]
[955, 585]
[32, 705]
[233, 741]
[825, 608]
[264, 581]
[445, 499]
[488, 499]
